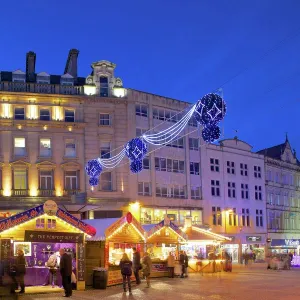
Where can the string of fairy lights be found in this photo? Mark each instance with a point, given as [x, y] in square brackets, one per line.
[208, 112]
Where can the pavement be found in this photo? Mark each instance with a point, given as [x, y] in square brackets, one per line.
[254, 282]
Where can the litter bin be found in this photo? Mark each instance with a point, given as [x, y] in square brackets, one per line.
[100, 278]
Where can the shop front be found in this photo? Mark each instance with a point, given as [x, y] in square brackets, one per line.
[233, 250]
[163, 238]
[40, 232]
[254, 246]
[121, 237]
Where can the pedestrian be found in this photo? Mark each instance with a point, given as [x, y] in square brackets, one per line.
[126, 271]
[136, 265]
[52, 264]
[171, 265]
[18, 271]
[65, 268]
[147, 267]
[182, 263]
[291, 256]
[186, 264]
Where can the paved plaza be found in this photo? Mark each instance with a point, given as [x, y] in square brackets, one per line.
[244, 283]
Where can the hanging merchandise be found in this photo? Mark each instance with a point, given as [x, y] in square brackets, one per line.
[208, 112]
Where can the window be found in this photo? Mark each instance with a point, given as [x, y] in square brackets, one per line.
[194, 144]
[141, 110]
[45, 147]
[161, 191]
[257, 172]
[169, 165]
[70, 148]
[230, 167]
[215, 187]
[140, 131]
[71, 180]
[214, 165]
[175, 166]
[259, 218]
[161, 164]
[146, 163]
[45, 114]
[217, 216]
[231, 189]
[244, 169]
[244, 191]
[103, 86]
[233, 217]
[258, 193]
[195, 192]
[19, 113]
[69, 115]
[51, 223]
[270, 198]
[19, 147]
[46, 182]
[105, 150]
[175, 191]
[20, 179]
[245, 217]
[104, 120]
[194, 168]
[165, 115]
[40, 223]
[193, 122]
[178, 143]
[106, 181]
[144, 188]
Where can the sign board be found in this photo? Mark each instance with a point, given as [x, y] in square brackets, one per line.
[253, 238]
[50, 208]
[53, 237]
[115, 277]
[289, 243]
[81, 262]
[157, 267]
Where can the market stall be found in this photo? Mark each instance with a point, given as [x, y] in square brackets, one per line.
[40, 232]
[163, 238]
[203, 249]
[121, 237]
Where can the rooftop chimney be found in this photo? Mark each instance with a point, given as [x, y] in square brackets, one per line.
[30, 65]
[71, 65]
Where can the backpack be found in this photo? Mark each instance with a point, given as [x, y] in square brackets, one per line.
[126, 269]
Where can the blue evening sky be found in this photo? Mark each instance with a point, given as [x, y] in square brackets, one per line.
[180, 49]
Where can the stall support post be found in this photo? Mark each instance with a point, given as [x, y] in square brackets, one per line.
[106, 254]
[80, 265]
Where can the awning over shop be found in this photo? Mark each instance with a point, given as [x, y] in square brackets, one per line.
[50, 208]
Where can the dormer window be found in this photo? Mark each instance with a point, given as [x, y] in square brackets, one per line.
[43, 78]
[103, 86]
[18, 76]
[67, 79]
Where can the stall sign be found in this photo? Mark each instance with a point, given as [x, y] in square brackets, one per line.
[50, 208]
[253, 238]
[53, 237]
[115, 277]
[5, 249]
[286, 242]
[21, 218]
[81, 262]
[156, 267]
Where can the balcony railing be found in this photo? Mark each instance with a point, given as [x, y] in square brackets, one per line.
[20, 192]
[40, 88]
[71, 192]
[46, 193]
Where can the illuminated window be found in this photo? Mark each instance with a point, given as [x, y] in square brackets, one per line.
[46, 180]
[233, 218]
[40, 223]
[69, 115]
[70, 148]
[45, 147]
[45, 114]
[19, 147]
[20, 179]
[217, 216]
[19, 113]
[103, 86]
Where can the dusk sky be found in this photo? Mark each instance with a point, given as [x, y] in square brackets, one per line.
[179, 49]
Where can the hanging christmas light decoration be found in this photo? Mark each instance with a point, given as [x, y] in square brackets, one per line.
[136, 149]
[136, 166]
[94, 181]
[211, 133]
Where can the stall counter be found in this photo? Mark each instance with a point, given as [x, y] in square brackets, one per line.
[206, 265]
[159, 268]
[115, 276]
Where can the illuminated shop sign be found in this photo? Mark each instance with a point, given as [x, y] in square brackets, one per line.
[293, 243]
[53, 237]
[253, 238]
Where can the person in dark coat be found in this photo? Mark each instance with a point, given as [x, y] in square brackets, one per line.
[182, 263]
[126, 271]
[136, 265]
[65, 268]
[19, 271]
[186, 264]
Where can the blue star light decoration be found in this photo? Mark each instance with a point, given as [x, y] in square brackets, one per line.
[210, 110]
[93, 169]
[136, 166]
[136, 149]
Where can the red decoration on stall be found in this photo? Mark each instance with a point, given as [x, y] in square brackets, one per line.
[129, 217]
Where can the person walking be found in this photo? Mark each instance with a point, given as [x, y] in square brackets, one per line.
[182, 263]
[186, 264]
[136, 265]
[65, 268]
[126, 271]
[19, 272]
[171, 265]
[147, 267]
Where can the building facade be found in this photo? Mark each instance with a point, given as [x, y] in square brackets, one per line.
[234, 196]
[282, 170]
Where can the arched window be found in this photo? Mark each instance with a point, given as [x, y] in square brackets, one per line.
[103, 86]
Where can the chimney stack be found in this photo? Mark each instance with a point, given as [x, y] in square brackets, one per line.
[30, 65]
[71, 65]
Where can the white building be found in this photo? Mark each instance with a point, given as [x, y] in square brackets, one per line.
[234, 202]
[283, 197]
